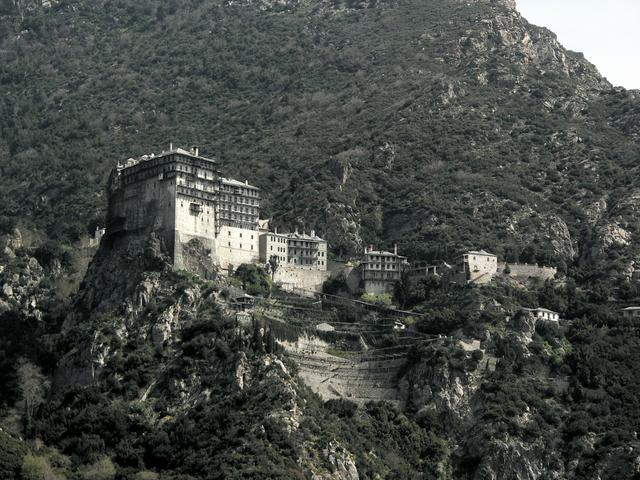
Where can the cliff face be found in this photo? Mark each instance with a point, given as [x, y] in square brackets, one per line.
[160, 353]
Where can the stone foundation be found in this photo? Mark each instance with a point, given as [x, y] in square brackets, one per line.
[525, 271]
[300, 280]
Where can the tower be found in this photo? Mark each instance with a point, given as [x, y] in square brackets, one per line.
[182, 197]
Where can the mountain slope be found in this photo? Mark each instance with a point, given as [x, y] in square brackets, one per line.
[435, 124]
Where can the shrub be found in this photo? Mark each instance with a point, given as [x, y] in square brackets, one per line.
[103, 469]
[34, 467]
[254, 279]
[381, 299]
[11, 457]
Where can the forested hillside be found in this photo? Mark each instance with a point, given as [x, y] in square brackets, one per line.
[437, 124]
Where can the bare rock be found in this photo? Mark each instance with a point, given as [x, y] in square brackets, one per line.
[242, 372]
[342, 465]
[615, 235]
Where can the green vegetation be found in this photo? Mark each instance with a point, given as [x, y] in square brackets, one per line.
[254, 279]
[381, 299]
[415, 122]
[432, 157]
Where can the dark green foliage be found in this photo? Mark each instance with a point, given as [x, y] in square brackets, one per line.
[19, 338]
[378, 124]
[336, 285]
[418, 163]
[11, 454]
[51, 251]
[254, 279]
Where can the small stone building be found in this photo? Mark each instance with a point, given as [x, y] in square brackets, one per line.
[631, 313]
[477, 266]
[543, 314]
[420, 270]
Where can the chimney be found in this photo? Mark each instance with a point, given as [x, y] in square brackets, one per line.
[395, 249]
[313, 233]
[276, 230]
[171, 146]
[246, 182]
[195, 150]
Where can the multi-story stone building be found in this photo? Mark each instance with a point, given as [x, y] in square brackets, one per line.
[182, 196]
[274, 244]
[296, 250]
[381, 270]
[238, 210]
[306, 251]
[477, 266]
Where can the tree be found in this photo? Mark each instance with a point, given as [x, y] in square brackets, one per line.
[255, 280]
[33, 386]
[274, 263]
[402, 289]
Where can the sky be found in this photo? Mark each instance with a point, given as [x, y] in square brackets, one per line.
[606, 31]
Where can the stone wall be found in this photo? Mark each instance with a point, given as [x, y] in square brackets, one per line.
[361, 378]
[526, 271]
[236, 246]
[379, 287]
[295, 279]
[352, 272]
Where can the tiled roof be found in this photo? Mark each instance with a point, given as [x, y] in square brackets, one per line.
[145, 158]
[479, 252]
[304, 236]
[237, 183]
[540, 309]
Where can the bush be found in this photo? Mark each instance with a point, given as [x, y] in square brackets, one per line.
[381, 299]
[254, 279]
[341, 407]
[103, 469]
[50, 251]
[11, 457]
[34, 467]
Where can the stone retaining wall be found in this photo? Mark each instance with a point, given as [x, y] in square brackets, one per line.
[526, 271]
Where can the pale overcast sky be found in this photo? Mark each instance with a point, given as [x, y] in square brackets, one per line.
[606, 31]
